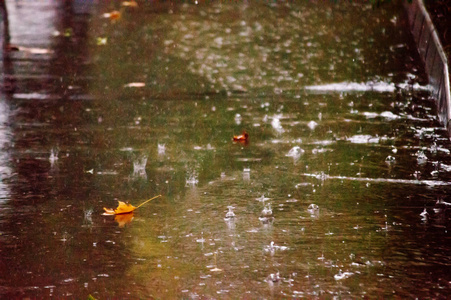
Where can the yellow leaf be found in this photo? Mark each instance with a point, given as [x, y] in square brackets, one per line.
[122, 208]
[125, 208]
[108, 211]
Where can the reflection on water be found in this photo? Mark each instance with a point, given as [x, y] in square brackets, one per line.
[5, 144]
[340, 190]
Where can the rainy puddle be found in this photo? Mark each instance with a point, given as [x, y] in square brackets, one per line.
[339, 188]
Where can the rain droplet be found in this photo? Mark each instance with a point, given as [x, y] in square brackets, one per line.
[267, 211]
[313, 209]
[421, 157]
[390, 159]
[238, 119]
[275, 123]
[295, 152]
[262, 198]
[342, 275]
[161, 149]
[139, 167]
[273, 277]
[312, 125]
[230, 214]
[424, 215]
[53, 155]
[192, 180]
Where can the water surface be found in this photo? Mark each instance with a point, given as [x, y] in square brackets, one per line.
[344, 148]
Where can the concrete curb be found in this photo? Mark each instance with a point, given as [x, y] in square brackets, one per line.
[436, 63]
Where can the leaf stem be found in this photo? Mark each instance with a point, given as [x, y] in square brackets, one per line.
[148, 201]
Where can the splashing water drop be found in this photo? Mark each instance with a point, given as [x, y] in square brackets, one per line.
[272, 248]
[275, 123]
[295, 152]
[313, 207]
[421, 157]
[433, 148]
[139, 166]
[262, 198]
[417, 175]
[273, 277]
[238, 119]
[424, 215]
[342, 275]
[88, 216]
[230, 214]
[247, 174]
[390, 159]
[53, 155]
[312, 125]
[191, 180]
[267, 211]
[161, 149]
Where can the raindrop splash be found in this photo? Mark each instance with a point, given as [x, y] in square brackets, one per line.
[139, 167]
[53, 155]
[295, 153]
[230, 214]
[161, 149]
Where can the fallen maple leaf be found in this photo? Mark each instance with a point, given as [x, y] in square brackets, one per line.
[122, 208]
[125, 208]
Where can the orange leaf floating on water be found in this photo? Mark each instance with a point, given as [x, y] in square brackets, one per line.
[124, 208]
[113, 16]
[242, 137]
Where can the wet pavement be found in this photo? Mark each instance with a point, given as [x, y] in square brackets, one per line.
[341, 189]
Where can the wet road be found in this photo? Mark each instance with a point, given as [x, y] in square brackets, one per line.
[325, 199]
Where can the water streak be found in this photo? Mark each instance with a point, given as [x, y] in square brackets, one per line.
[430, 183]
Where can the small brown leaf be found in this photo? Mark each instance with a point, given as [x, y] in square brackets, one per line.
[113, 16]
